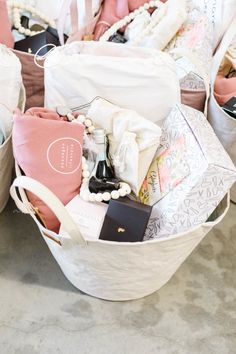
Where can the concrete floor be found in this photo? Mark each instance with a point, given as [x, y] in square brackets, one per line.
[41, 312]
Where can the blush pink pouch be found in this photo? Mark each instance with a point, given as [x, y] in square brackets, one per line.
[33, 79]
[49, 149]
[195, 99]
[225, 88]
[5, 32]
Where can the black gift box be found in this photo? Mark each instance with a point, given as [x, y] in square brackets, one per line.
[125, 221]
[34, 43]
[230, 107]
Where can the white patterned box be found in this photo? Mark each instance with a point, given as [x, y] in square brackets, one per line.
[212, 175]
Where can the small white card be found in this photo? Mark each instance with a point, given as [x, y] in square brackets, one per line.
[89, 217]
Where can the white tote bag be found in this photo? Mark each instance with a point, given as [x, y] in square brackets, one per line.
[110, 270]
[10, 78]
[11, 96]
[222, 123]
[6, 156]
[141, 79]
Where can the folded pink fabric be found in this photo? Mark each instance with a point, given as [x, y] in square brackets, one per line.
[45, 113]
[109, 16]
[6, 36]
[225, 88]
[49, 149]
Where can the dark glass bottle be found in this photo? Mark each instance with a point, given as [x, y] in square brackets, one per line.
[104, 178]
[103, 170]
[117, 38]
[24, 21]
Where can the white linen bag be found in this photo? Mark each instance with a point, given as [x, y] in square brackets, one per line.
[111, 270]
[133, 140]
[11, 96]
[223, 124]
[140, 79]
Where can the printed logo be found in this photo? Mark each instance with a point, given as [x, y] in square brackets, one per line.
[64, 155]
[121, 229]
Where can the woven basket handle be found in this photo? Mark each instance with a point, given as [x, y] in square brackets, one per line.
[52, 202]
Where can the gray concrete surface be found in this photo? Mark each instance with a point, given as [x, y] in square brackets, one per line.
[41, 312]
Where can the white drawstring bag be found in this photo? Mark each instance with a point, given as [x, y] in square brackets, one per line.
[133, 140]
[11, 96]
[223, 124]
[111, 270]
[141, 79]
[6, 156]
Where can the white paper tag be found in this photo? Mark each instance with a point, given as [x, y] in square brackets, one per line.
[88, 216]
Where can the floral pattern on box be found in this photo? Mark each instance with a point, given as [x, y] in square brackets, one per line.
[167, 170]
[195, 37]
[212, 173]
[192, 82]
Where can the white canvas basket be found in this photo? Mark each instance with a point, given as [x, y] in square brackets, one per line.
[6, 164]
[223, 125]
[110, 270]
[12, 94]
[6, 154]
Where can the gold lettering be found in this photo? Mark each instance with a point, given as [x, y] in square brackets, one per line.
[120, 229]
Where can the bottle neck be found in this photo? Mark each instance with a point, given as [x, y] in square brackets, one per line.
[101, 152]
